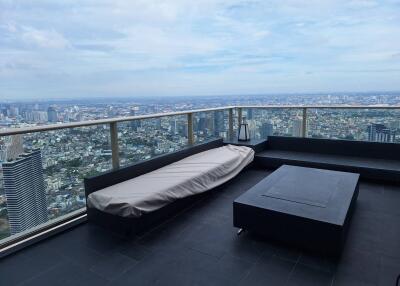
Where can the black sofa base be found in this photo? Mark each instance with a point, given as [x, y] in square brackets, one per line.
[373, 161]
[125, 226]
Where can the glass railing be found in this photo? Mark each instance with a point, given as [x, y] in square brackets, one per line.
[143, 139]
[381, 125]
[43, 167]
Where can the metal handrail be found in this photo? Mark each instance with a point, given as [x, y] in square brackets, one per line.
[51, 127]
[189, 113]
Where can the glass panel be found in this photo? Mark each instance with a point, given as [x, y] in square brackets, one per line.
[210, 125]
[380, 125]
[274, 121]
[43, 178]
[143, 139]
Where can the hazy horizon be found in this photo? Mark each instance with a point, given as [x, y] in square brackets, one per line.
[213, 96]
[127, 49]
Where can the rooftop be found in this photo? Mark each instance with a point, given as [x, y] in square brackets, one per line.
[200, 247]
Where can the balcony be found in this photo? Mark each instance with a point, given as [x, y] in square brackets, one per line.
[199, 246]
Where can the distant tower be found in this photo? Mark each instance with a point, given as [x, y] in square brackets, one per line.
[202, 123]
[250, 114]
[297, 127]
[379, 133]
[52, 115]
[13, 147]
[25, 191]
[267, 129]
[173, 126]
[135, 124]
[218, 123]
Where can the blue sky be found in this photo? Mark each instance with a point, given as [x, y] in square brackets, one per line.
[65, 49]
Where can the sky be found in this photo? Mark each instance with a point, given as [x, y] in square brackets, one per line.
[112, 48]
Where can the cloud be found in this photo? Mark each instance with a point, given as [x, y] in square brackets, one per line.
[218, 45]
[43, 38]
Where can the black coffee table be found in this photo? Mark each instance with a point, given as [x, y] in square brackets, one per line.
[307, 207]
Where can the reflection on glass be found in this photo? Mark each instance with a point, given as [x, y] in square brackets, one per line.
[42, 174]
[143, 139]
[377, 125]
[274, 121]
[210, 125]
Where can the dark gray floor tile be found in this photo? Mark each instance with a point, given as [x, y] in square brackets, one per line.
[113, 266]
[350, 280]
[248, 249]
[135, 251]
[209, 238]
[274, 272]
[20, 267]
[233, 269]
[193, 278]
[365, 231]
[389, 270]
[160, 268]
[360, 266]
[287, 252]
[319, 262]
[66, 273]
[308, 276]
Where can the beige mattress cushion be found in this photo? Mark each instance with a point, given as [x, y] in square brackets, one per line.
[192, 175]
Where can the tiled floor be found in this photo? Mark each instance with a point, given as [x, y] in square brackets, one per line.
[200, 247]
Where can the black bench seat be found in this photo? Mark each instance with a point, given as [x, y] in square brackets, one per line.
[372, 160]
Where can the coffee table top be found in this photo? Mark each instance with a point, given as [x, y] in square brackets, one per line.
[315, 194]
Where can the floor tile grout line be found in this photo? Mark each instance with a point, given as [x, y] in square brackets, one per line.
[40, 274]
[254, 264]
[294, 267]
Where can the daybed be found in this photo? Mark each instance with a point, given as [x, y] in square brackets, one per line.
[136, 197]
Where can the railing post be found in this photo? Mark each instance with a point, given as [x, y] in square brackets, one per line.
[230, 122]
[239, 115]
[190, 128]
[114, 145]
[304, 127]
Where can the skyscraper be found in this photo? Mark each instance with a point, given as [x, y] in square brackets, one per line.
[250, 114]
[379, 133]
[25, 191]
[218, 123]
[135, 124]
[202, 123]
[297, 127]
[52, 115]
[13, 147]
[266, 130]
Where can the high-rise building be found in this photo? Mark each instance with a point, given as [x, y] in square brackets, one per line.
[173, 123]
[394, 125]
[135, 124]
[250, 114]
[297, 128]
[380, 133]
[36, 116]
[202, 123]
[267, 129]
[12, 148]
[25, 191]
[52, 115]
[218, 123]
[13, 111]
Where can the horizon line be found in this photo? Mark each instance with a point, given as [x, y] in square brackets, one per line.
[127, 97]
